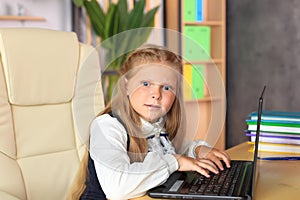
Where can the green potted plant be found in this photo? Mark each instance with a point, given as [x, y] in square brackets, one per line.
[117, 20]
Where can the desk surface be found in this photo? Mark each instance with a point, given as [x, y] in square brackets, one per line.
[276, 179]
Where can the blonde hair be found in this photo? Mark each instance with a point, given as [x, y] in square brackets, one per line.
[120, 106]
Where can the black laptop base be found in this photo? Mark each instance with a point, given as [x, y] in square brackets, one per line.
[192, 185]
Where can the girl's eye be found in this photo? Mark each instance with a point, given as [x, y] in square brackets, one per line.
[167, 87]
[145, 83]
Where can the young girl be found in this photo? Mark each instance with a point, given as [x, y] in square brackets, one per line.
[134, 143]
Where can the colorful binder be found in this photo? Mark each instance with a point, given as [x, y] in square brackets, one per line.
[187, 82]
[189, 10]
[193, 10]
[198, 81]
[196, 43]
[199, 10]
[194, 81]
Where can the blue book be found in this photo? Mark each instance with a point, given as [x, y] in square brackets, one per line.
[277, 115]
[199, 10]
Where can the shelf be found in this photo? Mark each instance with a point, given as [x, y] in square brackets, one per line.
[205, 23]
[207, 62]
[204, 99]
[21, 18]
[210, 34]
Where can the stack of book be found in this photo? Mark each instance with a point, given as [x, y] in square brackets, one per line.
[279, 131]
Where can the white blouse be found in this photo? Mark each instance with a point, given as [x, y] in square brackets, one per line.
[121, 179]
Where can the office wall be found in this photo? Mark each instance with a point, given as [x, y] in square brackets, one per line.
[57, 13]
[263, 49]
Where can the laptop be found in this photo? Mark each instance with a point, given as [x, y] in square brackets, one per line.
[236, 182]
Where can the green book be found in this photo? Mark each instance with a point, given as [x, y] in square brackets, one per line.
[198, 81]
[275, 127]
[196, 43]
[189, 12]
[274, 123]
[276, 115]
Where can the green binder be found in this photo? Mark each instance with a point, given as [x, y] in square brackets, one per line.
[198, 81]
[189, 10]
[196, 43]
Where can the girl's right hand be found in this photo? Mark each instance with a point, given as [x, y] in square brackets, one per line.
[202, 166]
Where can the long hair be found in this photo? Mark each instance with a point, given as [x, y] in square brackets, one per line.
[120, 105]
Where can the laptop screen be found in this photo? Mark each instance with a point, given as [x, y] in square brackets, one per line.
[255, 160]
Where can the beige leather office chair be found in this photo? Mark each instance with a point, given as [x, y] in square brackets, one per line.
[46, 91]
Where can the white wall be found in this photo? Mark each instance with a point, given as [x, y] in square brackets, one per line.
[56, 12]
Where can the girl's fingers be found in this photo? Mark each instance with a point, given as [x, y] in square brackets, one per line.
[225, 157]
[216, 156]
[206, 165]
[203, 171]
[218, 162]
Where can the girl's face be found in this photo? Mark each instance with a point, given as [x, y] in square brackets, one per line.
[152, 90]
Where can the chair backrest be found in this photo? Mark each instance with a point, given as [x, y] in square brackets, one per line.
[46, 94]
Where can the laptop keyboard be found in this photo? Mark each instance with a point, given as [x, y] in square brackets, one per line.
[218, 184]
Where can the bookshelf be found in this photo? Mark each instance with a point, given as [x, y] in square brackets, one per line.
[210, 16]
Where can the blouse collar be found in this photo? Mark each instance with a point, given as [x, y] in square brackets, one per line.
[153, 129]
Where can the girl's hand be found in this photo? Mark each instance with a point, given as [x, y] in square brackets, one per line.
[214, 155]
[202, 166]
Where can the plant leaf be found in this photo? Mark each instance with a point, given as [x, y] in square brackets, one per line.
[96, 16]
[136, 15]
[148, 19]
[109, 23]
[117, 22]
[78, 3]
[123, 10]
